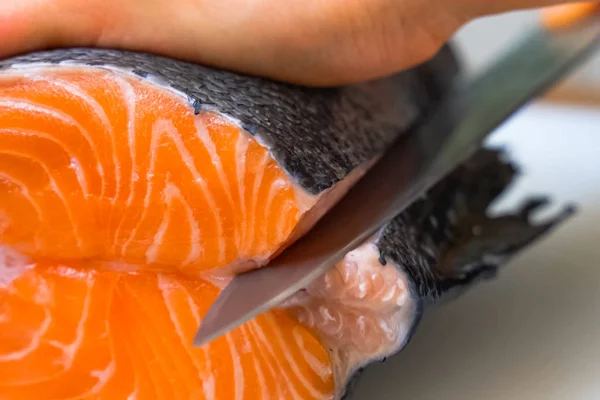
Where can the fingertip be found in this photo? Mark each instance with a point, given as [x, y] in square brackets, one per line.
[12, 30]
[30, 25]
[19, 29]
[563, 15]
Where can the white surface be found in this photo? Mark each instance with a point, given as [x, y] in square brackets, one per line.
[534, 332]
[483, 40]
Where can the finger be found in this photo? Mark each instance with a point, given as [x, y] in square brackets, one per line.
[564, 15]
[27, 25]
[316, 42]
[484, 8]
[345, 41]
[309, 42]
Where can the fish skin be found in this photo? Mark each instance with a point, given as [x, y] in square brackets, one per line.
[445, 258]
[433, 240]
[317, 135]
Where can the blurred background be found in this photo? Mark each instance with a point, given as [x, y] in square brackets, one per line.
[481, 41]
[534, 332]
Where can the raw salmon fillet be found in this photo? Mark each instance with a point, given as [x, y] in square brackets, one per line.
[132, 187]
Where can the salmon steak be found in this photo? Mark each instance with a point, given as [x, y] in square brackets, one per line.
[133, 187]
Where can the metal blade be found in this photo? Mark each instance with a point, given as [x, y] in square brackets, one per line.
[415, 163]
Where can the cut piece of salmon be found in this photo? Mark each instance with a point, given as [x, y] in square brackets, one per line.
[118, 200]
[133, 186]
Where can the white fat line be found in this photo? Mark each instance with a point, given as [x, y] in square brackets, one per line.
[275, 189]
[134, 352]
[80, 175]
[321, 369]
[164, 285]
[267, 344]
[152, 252]
[130, 355]
[109, 338]
[208, 384]
[260, 353]
[70, 350]
[258, 180]
[36, 337]
[55, 188]
[285, 208]
[99, 111]
[170, 131]
[291, 361]
[196, 250]
[259, 372]
[131, 102]
[156, 136]
[349, 276]
[170, 193]
[159, 342]
[13, 265]
[241, 150]
[29, 106]
[204, 136]
[102, 376]
[29, 198]
[238, 372]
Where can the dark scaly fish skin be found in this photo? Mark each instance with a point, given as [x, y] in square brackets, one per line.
[446, 241]
[318, 135]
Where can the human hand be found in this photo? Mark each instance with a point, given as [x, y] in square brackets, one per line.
[314, 42]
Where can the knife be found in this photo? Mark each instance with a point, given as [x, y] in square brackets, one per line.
[457, 128]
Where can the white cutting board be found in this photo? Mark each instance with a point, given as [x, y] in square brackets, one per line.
[534, 333]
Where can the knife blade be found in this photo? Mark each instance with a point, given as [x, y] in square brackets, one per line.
[466, 116]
